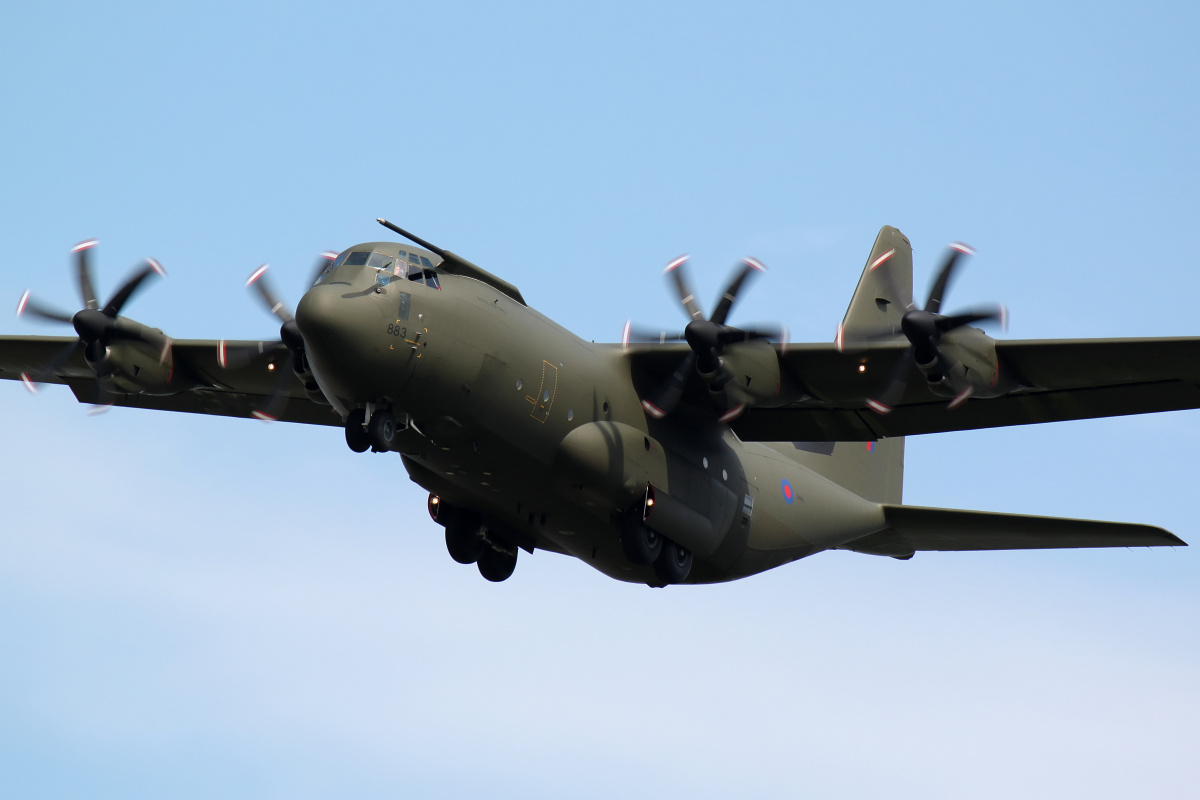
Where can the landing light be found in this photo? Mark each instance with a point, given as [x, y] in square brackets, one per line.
[862, 367]
[270, 367]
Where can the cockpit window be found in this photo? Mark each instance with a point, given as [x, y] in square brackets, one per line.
[358, 258]
[340, 260]
[431, 278]
[415, 274]
[379, 261]
[425, 262]
[413, 258]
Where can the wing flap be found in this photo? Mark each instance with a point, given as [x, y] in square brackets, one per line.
[913, 528]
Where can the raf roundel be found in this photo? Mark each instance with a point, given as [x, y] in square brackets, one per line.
[786, 488]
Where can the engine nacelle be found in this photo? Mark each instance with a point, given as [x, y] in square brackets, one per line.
[968, 365]
[140, 367]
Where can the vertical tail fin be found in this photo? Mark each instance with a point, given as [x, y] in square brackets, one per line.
[884, 291]
[873, 470]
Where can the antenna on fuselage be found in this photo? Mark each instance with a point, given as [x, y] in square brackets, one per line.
[457, 265]
[411, 236]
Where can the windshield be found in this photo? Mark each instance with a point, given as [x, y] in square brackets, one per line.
[403, 264]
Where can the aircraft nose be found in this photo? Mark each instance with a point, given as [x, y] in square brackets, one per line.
[330, 328]
[319, 317]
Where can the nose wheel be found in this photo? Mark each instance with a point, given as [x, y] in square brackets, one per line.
[356, 431]
[379, 434]
[382, 430]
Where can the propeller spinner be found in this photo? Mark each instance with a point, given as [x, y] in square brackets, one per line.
[707, 337]
[924, 329]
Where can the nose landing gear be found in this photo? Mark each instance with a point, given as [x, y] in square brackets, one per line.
[378, 435]
[356, 431]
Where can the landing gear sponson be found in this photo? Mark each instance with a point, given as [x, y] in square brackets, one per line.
[469, 540]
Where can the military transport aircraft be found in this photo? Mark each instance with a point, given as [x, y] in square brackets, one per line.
[700, 455]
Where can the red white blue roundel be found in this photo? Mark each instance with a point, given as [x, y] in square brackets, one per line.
[786, 488]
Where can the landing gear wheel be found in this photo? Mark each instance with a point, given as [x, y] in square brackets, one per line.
[641, 544]
[673, 563]
[382, 431]
[356, 437]
[497, 565]
[463, 541]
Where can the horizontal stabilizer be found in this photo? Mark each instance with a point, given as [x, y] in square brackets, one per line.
[911, 528]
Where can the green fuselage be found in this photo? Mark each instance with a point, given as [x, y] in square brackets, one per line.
[517, 418]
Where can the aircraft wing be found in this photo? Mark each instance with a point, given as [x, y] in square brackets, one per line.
[199, 384]
[911, 528]
[1062, 379]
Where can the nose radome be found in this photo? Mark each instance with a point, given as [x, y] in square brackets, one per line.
[319, 317]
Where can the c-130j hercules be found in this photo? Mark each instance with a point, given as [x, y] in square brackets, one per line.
[704, 455]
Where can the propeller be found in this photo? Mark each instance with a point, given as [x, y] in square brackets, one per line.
[707, 337]
[289, 337]
[924, 329]
[96, 326]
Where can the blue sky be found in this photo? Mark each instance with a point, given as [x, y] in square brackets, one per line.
[196, 607]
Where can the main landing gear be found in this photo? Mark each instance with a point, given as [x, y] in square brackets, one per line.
[644, 545]
[469, 541]
[379, 434]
